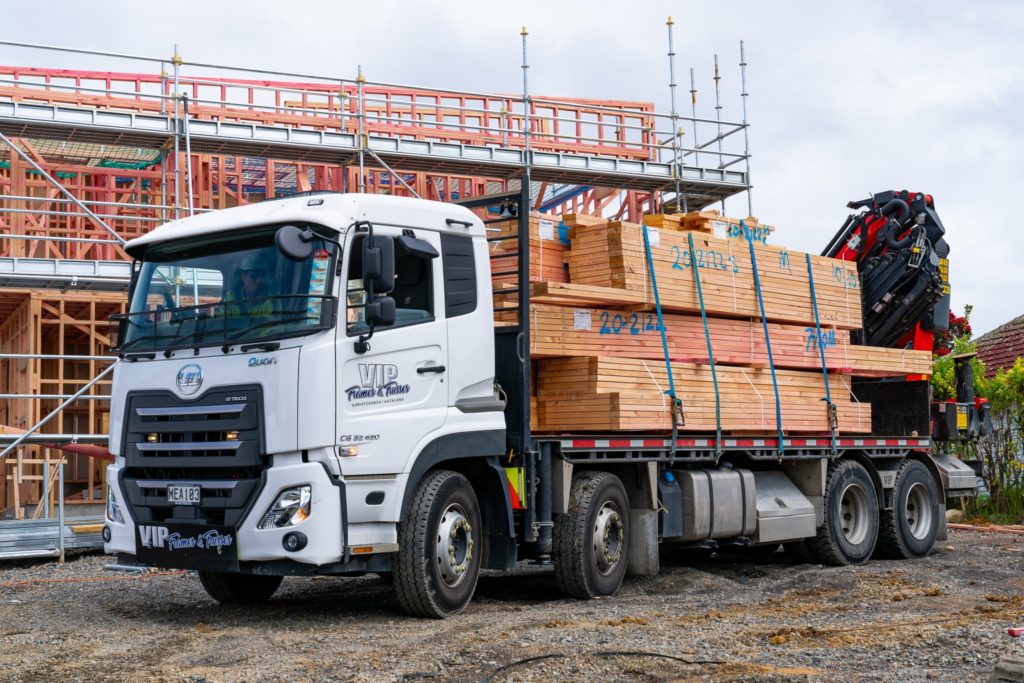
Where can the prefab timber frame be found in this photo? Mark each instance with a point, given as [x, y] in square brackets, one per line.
[71, 333]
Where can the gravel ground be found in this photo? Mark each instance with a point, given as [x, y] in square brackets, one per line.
[721, 619]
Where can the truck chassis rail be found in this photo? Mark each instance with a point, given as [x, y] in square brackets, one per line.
[581, 449]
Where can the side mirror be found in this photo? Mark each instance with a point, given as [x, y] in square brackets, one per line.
[379, 263]
[294, 243]
[381, 311]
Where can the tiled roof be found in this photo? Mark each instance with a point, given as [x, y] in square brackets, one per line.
[1002, 346]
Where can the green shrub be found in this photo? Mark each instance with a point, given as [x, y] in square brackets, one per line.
[1002, 453]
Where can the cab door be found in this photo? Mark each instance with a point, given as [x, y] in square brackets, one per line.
[396, 393]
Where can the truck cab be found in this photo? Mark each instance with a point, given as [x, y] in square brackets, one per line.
[289, 370]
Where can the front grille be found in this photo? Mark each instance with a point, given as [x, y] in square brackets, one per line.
[215, 441]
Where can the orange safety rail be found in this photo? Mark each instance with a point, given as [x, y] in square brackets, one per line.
[601, 127]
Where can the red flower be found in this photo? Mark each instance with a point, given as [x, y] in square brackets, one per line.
[959, 328]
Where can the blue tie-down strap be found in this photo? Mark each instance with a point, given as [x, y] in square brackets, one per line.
[821, 352]
[767, 337]
[707, 338]
[677, 405]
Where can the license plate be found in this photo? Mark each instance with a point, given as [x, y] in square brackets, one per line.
[183, 495]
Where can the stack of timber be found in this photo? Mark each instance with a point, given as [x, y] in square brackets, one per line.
[711, 222]
[561, 331]
[613, 255]
[549, 245]
[616, 394]
[598, 339]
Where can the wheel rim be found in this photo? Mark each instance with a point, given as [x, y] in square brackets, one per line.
[609, 536]
[853, 514]
[918, 511]
[454, 550]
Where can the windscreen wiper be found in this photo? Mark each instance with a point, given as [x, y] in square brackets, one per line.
[149, 355]
[268, 323]
[183, 343]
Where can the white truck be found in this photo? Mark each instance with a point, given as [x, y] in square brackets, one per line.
[315, 385]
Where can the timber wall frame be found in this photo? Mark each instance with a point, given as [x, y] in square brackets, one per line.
[71, 332]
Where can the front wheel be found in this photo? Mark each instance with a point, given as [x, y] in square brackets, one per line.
[438, 562]
[592, 539]
[910, 528]
[239, 589]
[850, 531]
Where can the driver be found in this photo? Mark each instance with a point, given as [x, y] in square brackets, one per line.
[251, 286]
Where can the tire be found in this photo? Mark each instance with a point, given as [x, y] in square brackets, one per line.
[439, 547]
[850, 531]
[239, 589]
[910, 528]
[591, 541]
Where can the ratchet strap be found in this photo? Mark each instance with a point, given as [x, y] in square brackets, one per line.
[711, 354]
[832, 417]
[767, 337]
[677, 405]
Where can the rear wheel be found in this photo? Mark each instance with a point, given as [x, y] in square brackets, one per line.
[239, 589]
[591, 540]
[910, 528]
[438, 561]
[850, 531]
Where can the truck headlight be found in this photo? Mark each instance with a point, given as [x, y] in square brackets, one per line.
[113, 509]
[290, 508]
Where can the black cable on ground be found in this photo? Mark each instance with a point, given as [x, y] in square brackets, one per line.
[511, 665]
[619, 653]
[639, 653]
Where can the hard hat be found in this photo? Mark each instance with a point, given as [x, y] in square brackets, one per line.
[252, 262]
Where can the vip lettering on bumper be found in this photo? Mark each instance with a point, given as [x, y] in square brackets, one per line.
[162, 537]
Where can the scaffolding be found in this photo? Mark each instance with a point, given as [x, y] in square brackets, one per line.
[90, 159]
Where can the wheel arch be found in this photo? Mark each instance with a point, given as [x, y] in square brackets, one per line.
[474, 455]
[638, 479]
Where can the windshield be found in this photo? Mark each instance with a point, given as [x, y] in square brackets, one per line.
[227, 289]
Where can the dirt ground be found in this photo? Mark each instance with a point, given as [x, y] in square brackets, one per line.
[727, 618]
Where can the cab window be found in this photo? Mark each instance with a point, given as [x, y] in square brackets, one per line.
[413, 292]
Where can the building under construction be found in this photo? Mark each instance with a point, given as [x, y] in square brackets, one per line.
[92, 158]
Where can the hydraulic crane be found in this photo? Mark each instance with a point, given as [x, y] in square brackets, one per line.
[897, 241]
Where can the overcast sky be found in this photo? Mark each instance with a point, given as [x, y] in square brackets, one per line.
[845, 98]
